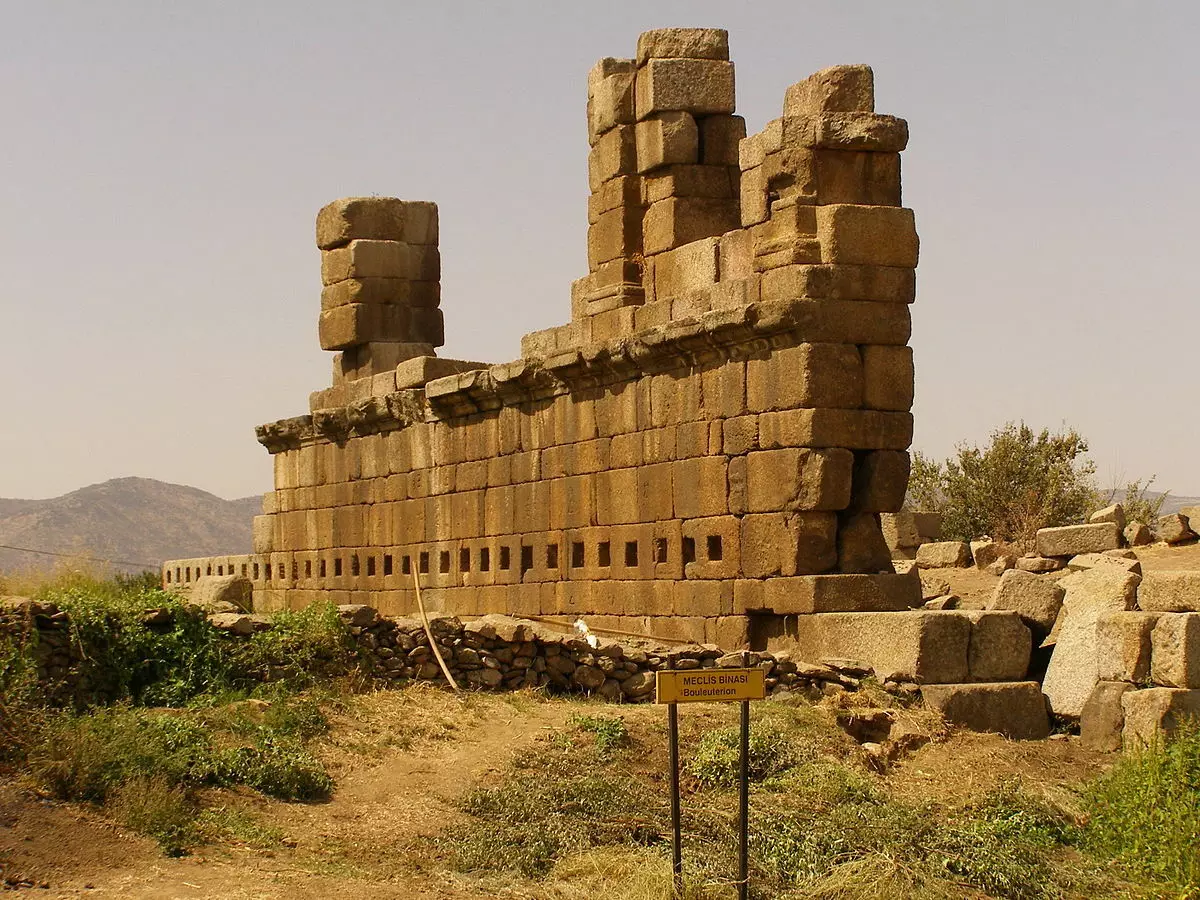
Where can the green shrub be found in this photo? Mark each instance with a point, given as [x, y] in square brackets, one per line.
[299, 650]
[278, 768]
[1137, 502]
[1019, 482]
[158, 809]
[1145, 813]
[716, 761]
[610, 731]
[19, 698]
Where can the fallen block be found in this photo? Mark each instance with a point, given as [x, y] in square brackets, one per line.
[943, 555]
[1123, 646]
[1173, 529]
[1073, 671]
[1175, 653]
[1040, 565]
[1166, 591]
[1071, 540]
[1156, 713]
[1091, 560]
[1014, 709]
[1035, 599]
[1103, 717]
[1000, 646]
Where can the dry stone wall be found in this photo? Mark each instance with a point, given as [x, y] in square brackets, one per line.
[711, 437]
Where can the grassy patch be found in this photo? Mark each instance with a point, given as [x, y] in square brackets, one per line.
[610, 731]
[1145, 813]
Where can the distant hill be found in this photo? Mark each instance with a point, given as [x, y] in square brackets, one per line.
[137, 521]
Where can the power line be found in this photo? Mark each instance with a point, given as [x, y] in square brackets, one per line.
[120, 562]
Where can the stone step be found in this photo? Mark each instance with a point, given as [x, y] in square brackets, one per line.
[1015, 709]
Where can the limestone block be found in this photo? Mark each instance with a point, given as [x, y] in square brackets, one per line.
[676, 221]
[835, 321]
[1175, 658]
[1156, 713]
[420, 370]
[720, 136]
[1114, 513]
[1138, 534]
[796, 479]
[1035, 599]
[1071, 540]
[688, 268]
[1103, 717]
[373, 218]
[922, 646]
[856, 595]
[700, 486]
[623, 190]
[1074, 668]
[367, 290]
[666, 139]
[697, 86]
[823, 375]
[900, 530]
[263, 531]
[860, 177]
[752, 193]
[210, 590]
[1015, 709]
[684, 43]
[427, 326]
[366, 259]
[1192, 514]
[943, 555]
[713, 182]
[884, 284]
[888, 377]
[1173, 529]
[1000, 646]
[735, 256]
[880, 481]
[835, 89]
[850, 428]
[861, 547]
[859, 131]
[613, 155]
[617, 234]
[1041, 564]
[1123, 646]
[984, 553]
[867, 235]
[1091, 560]
[1168, 591]
[788, 544]
[610, 96]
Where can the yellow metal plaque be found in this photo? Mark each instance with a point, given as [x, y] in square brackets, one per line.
[710, 685]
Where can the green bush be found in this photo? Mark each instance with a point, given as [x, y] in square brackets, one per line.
[1145, 813]
[159, 809]
[610, 731]
[278, 768]
[716, 761]
[19, 698]
[1008, 489]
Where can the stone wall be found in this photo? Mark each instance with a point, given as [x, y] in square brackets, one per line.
[714, 433]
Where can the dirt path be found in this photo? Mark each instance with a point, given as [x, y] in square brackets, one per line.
[352, 846]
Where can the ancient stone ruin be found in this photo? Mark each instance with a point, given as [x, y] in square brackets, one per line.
[702, 453]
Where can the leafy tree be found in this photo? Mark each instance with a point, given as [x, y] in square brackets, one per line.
[1019, 482]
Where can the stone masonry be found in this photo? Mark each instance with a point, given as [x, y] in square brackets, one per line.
[701, 453]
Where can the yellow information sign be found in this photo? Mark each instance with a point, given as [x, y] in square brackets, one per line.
[710, 685]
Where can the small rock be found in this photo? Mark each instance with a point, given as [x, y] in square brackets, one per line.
[1001, 564]
[1040, 564]
[948, 601]
[1138, 534]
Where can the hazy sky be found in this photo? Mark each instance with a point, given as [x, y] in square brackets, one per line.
[162, 164]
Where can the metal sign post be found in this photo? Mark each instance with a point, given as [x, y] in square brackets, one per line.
[674, 686]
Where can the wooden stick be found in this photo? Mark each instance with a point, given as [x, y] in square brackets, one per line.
[437, 654]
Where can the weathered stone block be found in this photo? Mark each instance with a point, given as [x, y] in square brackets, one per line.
[1173, 529]
[788, 544]
[835, 89]
[1091, 560]
[943, 555]
[849, 428]
[682, 43]
[1156, 713]
[1041, 564]
[610, 96]
[1103, 717]
[375, 218]
[688, 268]
[617, 234]
[867, 235]
[849, 594]
[1071, 540]
[367, 290]
[798, 479]
[1123, 646]
[1138, 534]
[366, 259]
[614, 155]
[888, 377]
[861, 547]
[1168, 591]
[719, 139]
[666, 139]
[1000, 646]
[676, 221]
[821, 375]
[1114, 513]
[1037, 600]
[1015, 709]
[1175, 658]
[1074, 669]
[921, 646]
[880, 481]
[697, 86]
